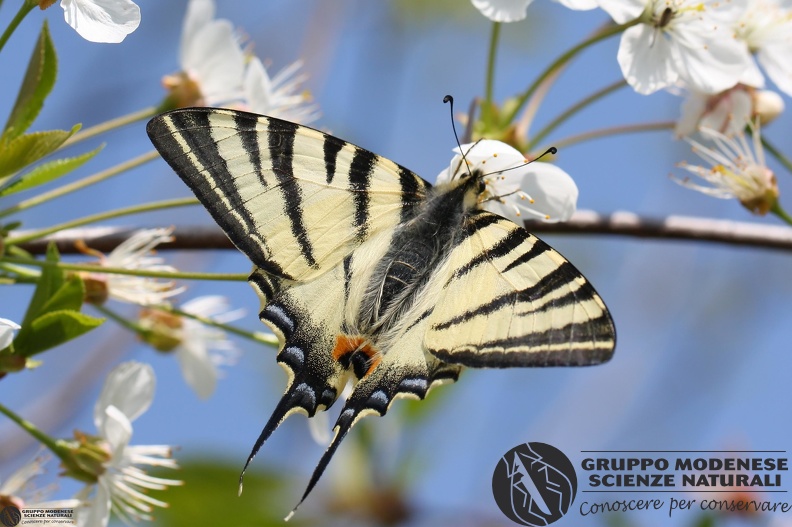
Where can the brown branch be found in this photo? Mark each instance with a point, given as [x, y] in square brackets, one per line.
[583, 222]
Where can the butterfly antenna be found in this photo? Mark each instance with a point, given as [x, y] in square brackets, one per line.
[450, 99]
[552, 150]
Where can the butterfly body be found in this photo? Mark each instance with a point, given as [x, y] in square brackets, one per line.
[369, 275]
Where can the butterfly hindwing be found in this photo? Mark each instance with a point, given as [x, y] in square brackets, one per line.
[306, 317]
[295, 200]
[538, 309]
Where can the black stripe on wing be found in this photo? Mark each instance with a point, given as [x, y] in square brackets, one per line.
[332, 146]
[505, 246]
[281, 146]
[563, 275]
[412, 188]
[246, 124]
[582, 341]
[363, 163]
[180, 134]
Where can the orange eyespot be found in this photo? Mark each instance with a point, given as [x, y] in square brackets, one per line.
[346, 344]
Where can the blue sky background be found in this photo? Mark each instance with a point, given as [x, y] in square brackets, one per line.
[703, 356]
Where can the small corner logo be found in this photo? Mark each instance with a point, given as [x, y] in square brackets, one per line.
[534, 484]
[10, 516]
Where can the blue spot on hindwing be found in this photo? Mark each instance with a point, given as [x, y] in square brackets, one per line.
[278, 316]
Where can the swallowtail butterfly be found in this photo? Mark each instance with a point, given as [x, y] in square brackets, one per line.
[370, 275]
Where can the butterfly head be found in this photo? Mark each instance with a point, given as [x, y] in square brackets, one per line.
[490, 171]
[485, 170]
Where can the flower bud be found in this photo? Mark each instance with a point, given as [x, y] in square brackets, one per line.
[767, 105]
[97, 290]
[183, 91]
[85, 457]
[163, 329]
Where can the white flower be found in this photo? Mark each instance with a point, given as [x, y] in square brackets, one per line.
[503, 10]
[514, 188]
[280, 96]
[102, 20]
[685, 40]
[127, 393]
[133, 254]
[203, 348]
[728, 112]
[200, 348]
[19, 490]
[211, 59]
[7, 328]
[736, 171]
[766, 26]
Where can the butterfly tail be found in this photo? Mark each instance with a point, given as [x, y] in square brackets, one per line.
[344, 424]
[374, 394]
[300, 397]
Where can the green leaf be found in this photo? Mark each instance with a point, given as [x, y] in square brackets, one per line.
[29, 148]
[53, 316]
[52, 329]
[51, 280]
[69, 296]
[48, 171]
[209, 496]
[38, 82]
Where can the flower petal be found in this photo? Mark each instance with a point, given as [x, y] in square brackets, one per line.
[646, 60]
[215, 60]
[554, 194]
[98, 513]
[319, 426]
[728, 112]
[623, 11]
[775, 59]
[712, 64]
[116, 429]
[129, 387]
[258, 86]
[197, 367]
[102, 20]
[7, 328]
[503, 10]
[199, 14]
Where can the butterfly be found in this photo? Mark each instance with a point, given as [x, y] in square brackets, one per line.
[370, 275]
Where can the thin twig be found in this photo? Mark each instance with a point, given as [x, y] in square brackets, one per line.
[752, 234]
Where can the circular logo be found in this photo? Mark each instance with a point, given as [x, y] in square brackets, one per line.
[534, 484]
[10, 516]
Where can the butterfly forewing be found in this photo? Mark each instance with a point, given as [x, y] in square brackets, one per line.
[507, 299]
[294, 200]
